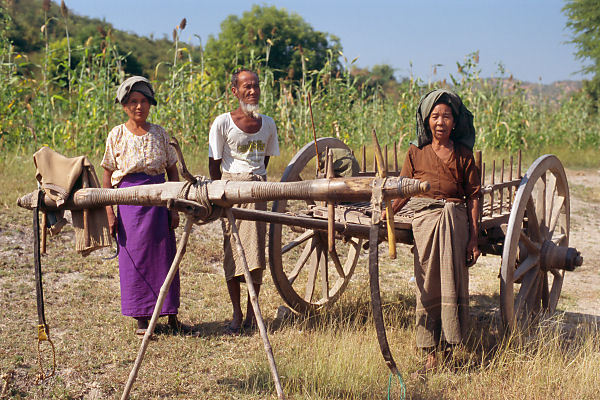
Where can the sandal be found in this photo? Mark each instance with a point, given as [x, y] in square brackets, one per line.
[141, 332]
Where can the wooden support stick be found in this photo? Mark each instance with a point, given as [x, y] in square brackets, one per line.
[388, 204]
[502, 181]
[375, 161]
[159, 303]
[312, 121]
[519, 165]
[482, 185]
[364, 159]
[254, 300]
[396, 157]
[493, 180]
[386, 159]
[479, 170]
[510, 178]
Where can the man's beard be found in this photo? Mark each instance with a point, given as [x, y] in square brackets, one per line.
[250, 109]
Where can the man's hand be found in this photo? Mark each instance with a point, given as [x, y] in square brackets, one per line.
[174, 220]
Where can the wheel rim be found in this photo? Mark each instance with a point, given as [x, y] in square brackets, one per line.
[303, 272]
[539, 222]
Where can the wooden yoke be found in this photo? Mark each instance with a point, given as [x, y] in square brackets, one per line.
[382, 172]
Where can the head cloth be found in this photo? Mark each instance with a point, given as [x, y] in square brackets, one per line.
[464, 131]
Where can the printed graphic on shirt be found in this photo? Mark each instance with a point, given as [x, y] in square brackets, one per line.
[253, 145]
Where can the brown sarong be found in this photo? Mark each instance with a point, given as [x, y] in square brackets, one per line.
[252, 235]
[441, 233]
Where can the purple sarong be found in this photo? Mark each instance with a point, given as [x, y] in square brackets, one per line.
[146, 250]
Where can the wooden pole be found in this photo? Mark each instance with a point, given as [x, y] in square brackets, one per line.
[312, 121]
[158, 307]
[501, 181]
[493, 180]
[510, 178]
[254, 300]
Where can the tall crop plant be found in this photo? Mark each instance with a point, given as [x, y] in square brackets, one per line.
[71, 107]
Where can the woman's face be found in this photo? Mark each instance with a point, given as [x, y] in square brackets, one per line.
[441, 122]
[137, 107]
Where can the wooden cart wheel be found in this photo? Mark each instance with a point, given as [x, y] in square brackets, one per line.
[536, 253]
[302, 270]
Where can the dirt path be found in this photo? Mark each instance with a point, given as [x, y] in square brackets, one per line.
[581, 290]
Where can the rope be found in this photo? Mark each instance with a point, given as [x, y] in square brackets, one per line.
[402, 386]
[211, 212]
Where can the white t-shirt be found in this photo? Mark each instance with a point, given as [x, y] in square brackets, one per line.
[242, 152]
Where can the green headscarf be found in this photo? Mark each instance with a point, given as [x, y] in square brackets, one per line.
[464, 131]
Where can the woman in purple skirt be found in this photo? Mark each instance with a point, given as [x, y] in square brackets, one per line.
[138, 153]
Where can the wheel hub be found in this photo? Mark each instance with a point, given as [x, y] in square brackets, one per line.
[559, 257]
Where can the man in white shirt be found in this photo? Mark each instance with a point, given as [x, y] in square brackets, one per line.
[240, 144]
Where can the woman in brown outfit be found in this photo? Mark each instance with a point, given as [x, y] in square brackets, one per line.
[445, 221]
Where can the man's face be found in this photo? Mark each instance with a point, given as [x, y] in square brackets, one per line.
[248, 89]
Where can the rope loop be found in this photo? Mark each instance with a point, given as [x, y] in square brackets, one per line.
[210, 212]
[402, 386]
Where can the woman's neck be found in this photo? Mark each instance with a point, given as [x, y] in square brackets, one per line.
[137, 128]
[437, 144]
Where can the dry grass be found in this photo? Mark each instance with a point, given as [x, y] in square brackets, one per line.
[330, 356]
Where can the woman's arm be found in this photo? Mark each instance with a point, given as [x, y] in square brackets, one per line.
[110, 213]
[473, 252]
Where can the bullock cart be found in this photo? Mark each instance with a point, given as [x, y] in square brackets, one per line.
[523, 218]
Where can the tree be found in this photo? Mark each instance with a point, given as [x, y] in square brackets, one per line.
[584, 21]
[272, 37]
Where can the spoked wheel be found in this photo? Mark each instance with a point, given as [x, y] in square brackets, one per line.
[303, 272]
[536, 252]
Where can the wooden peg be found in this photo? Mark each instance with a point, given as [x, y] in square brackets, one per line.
[388, 204]
[396, 157]
[364, 159]
[330, 207]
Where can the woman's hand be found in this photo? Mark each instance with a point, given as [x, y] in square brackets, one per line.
[473, 252]
[174, 219]
[112, 221]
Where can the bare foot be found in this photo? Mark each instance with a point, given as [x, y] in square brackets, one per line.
[429, 366]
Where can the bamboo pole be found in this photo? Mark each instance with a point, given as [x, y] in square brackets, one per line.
[254, 300]
[158, 307]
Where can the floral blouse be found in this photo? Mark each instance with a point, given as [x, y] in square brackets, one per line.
[127, 153]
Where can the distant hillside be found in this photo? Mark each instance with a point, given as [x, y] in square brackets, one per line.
[26, 34]
[556, 90]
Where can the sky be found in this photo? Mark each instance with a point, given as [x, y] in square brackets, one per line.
[424, 39]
